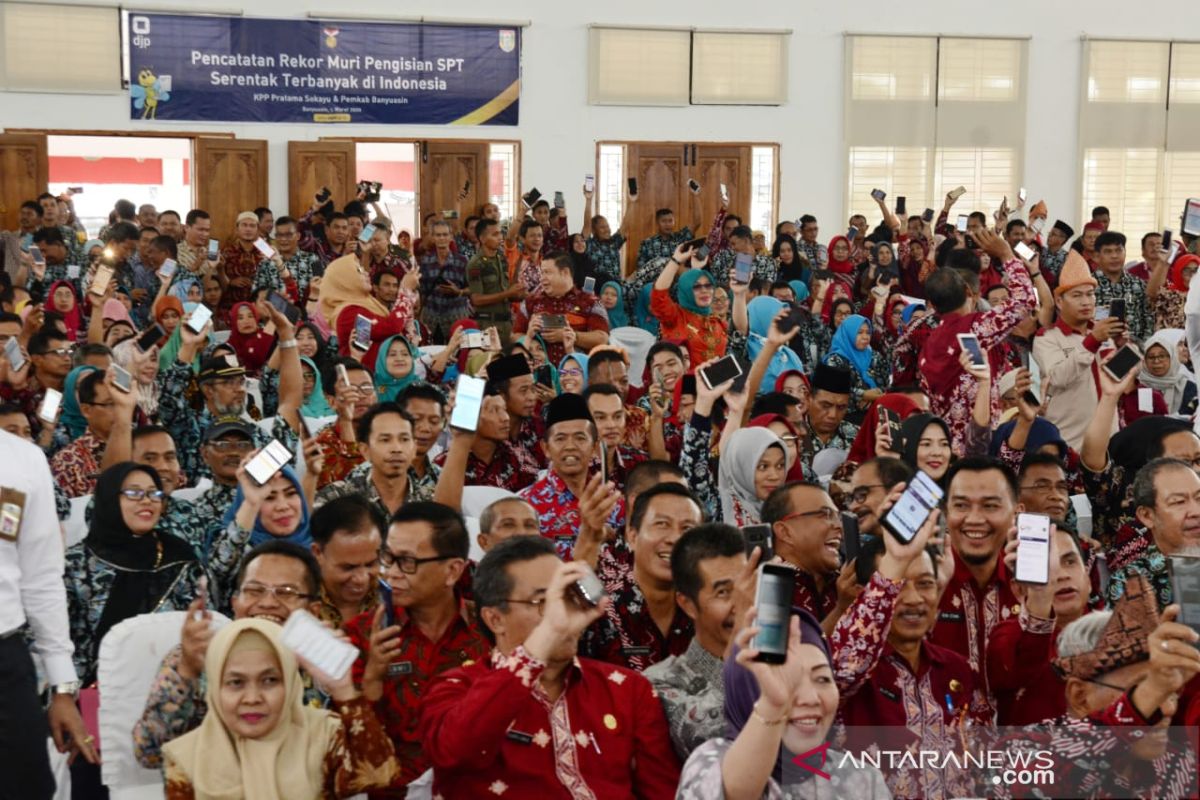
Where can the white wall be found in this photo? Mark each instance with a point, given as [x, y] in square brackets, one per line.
[558, 129]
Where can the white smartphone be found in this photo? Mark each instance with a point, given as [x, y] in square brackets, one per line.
[468, 401]
[1033, 548]
[367, 232]
[305, 634]
[361, 338]
[167, 269]
[970, 343]
[589, 284]
[36, 253]
[268, 461]
[473, 341]
[912, 510]
[342, 376]
[12, 351]
[201, 314]
[1021, 196]
[261, 245]
[962, 222]
[100, 281]
[122, 379]
[589, 183]
[48, 410]
[1025, 251]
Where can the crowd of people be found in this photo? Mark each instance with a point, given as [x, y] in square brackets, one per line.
[726, 404]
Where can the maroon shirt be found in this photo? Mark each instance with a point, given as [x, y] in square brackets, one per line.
[1026, 687]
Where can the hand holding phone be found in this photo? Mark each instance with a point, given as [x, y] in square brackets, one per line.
[1033, 548]
[12, 352]
[911, 511]
[468, 402]
[969, 342]
[773, 603]
[317, 644]
[268, 461]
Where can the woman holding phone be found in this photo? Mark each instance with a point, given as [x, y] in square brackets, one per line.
[691, 319]
[346, 296]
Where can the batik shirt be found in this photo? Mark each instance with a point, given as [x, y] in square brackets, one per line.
[627, 634]
[658, 247]
[302, 265]
[606, 256]
[722, 267]
[417, 663]
[143, 278]
[817, 254]
[842, 439]
[360, 482]
[581, 310]
[816, 601]
[313, 240]
[213, 502]
[465, 248]
[329, 613]
[1154, 565]
[437, 310]
[529, 438]
[77, 465]
[692, 690]
[701, 778]
[694, 462]
[644, 275]
[1139, 321]
[510, 468]
[557, 510]
[879, 370]
[339, 456]
[238, 262]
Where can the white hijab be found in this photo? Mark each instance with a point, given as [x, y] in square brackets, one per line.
[1174, 383]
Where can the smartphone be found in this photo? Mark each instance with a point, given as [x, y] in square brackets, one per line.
[150, 337]
[773, 600]
[167, 269]
[1185, 589]
[693, 186]
[1166, 238]
[589, 590]
[309, 637]
[468, 400]
[920, 498]
[852, 233]
[1037, 224]
[633, 186]
[388, 604]
[1120, 364]
[100, 281]
[662, 386]
[793, 319]
[214, 249]
[759, 536]
[742, 266]
[342, 377]
[928, 215]
[324, 195]
[1191, 217]
[473, 341]
[260, 244]
[901, 205]
[12, 352]
[201, 314]
[820, 274]
[531, 197]
[970, 343]
[893, 426]
[878, 194]
[1116, 308]
[1101, 313]
[73, 272]
[694, 244]
[701, 252]
[720, 371]
[1025, 251]
[559, 201]
[1032, 395]
[589, 183]
[589, 285]
[367, 232]
[1033, 548]
[962, 222]
[603, 463]
[550, 321]
[544, 376]
[282, 305]
[268, 461]
[958, 192]
[361, 337]
[122, 379]
[450, 213]
[850, 537]
[36, 253]
[51, 403]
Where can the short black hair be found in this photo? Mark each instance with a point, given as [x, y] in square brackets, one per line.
[603, 357]
[260, 211]
[978, 216]
[170, 211]
[335, 216]
[779, 502]
[422, 391]
[806, 218]
[946, 290]
[663, 212]
[642, 504]
[492, 585]
[773, 403]
[148, 229]
[33, 205]
[329, 374]
[650, 473]
[42, 341]
[285, 220]
[482, 225]
[8, 316]
[49, 236]
[982, 464]
[964, 259]
[1013, 224]
[125, 209]
[88, 385]
[1036, 459]
[1145, 495]
[123, 232]
[1108, 239]
[741, 232]
[196, 214]
[278, 547]
[1099, 211]
[603, 389]
[664, 347]
[1148, 235]
[362, 427]
[377, 276]
[710, 540]
[891, 470]
[782, 285]
[529, 225]
[356, 208]
[450, 537]
[142, 431]
[165, 244]
[352, 513]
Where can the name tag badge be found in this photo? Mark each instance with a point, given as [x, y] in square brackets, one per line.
[399, 668]
[519, 737]
[890, 694]
[636, 651]
[950, 616]
[12, 509]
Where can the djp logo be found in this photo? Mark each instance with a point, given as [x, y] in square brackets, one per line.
[140, 27]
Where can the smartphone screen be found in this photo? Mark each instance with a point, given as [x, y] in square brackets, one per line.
[559, 202]
[389, 605]
[970, 343]
[167, 269]
[773, 599]
[282, 305]
[742, 266]
[589, 183]
[1185, 589]
[1166, 239]
[261, 245]
[468, 400]
[550, 321]
[1191, 217]
[473, 341]
[269, 460]
[199, 318]
[901, 205]
[12, 351]
[1033, 395]
[962, 222]
[50, 405]
[121, 378]
[100, 281]
[1033, 548]
[759, 536]
[1024, 251]
[362, 333]
[893, 425]
[878, 194]
[725, 369]
[214, 249]
[589, 284]
[906, 517]
[1120, 364]
[1021, 195]
[36, 253]
[367, 232]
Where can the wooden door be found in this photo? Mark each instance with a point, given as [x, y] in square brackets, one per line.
[25, 172]
[661, 170]
[313, 165]
[716, 164]
[445, 168]
[231, 177]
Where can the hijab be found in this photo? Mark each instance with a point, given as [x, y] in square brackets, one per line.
[736, 470]
[168, 302]
[74, 317]
[687, 298]
[289, 761]
[783, 376]
[800, 289]
[387, 386]
[888, 309]
[342, 286]
[115, 311]
[180, 290]
[300, 536]
[907, 314]
[72, 416]
[796, 468]
[617, 318]
[1042, 433]
[761, 312]
[845, 267]
[643, 317]
[126, 354]
[315, 405]
[685, 385]
[1175, 276]
[911, 431]
[253, 349]
[863, 448]
[1173, 384]
[844, 345]
[460, 360]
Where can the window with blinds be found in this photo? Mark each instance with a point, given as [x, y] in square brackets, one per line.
[987, 173]
[900, 171]
[892, 67]
[978, 70]
[1126, 181]
[639, 67]
[58, 48]
[1127, 72]
[739, 68]
[1182, 176]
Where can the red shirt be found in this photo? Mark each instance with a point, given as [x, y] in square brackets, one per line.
[491, 731]
[1027, 688]
[382, 327]
[581, 310]
[417, 663]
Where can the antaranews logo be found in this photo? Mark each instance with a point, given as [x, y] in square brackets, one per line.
[140, 29]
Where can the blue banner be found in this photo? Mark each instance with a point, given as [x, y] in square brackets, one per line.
[241, 69]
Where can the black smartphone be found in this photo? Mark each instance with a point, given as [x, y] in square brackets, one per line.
[893, 426]
[879, 195]
[531, 197]
[389, 605]
[1185, 589]
[850, 540]
[928, 215]
[693, 186]
[559, 200]
[759, 536]
[694, 244]
[284, 307]
[544, 376]
[633, 186]
[1166, 239]
[795, 316]
[920, 498]
[551, 321]
[150, 337]
[773, 600]
[701, 252]
[720, 371]
[324, 195]
[1116, 308]
[1120, 364]
[822, 275]
[901, 205]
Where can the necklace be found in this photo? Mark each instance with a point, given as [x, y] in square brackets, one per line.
[158, 546]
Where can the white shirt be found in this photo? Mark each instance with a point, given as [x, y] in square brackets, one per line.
[31, 568]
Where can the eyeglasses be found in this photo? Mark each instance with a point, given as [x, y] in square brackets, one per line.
[1045, 487]
[288, 595]
[1158, 357]
[361, 388]
[830, 516]
[407, 564]
[58, 351]
[574, 373]
[859, 495]
[137, 495]
[232, 446]
[539, 604]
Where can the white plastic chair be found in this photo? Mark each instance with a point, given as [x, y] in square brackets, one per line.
[76, 525]
[130, 654]
[1083, 511]
[192, 492]
[254, 389]
[476, 552]
[476, 498]
[826, 462]
[637, 343]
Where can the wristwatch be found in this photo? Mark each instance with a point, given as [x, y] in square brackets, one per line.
[288, 345]
[70, 687]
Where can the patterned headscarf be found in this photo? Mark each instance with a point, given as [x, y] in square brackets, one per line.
[1125, 639]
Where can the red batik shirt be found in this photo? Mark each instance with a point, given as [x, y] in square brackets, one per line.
[511, 468]
[557, 510]
[490, 730]
[77, 465]
[1025, 685]
[807, 596]
[529, 440]
[339, 455]
[238, 262]
[408, 676]
[581, 309]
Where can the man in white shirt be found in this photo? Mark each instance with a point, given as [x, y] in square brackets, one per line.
[31, 589]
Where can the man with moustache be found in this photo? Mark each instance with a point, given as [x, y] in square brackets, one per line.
[503, 519]
[870, 485]
[346, 534]
[427, 406]
[1044, 486]
[807, 528]
[385, 435]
